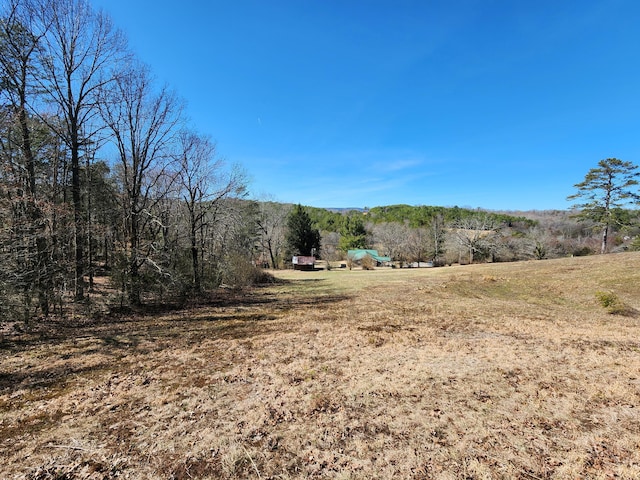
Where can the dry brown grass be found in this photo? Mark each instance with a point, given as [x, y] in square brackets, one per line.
[476, 372]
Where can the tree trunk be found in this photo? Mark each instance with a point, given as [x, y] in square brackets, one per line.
[273, 258]
[134, 286]
[605, 239]
[194, 259]
[134, 266]
[26, 148]
[41, 282]
[76, 196]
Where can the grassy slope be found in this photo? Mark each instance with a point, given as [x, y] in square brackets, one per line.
[484, 371]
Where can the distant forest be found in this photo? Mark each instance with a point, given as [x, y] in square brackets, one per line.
[448, 235]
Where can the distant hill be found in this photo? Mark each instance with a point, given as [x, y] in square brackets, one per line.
[346, 209]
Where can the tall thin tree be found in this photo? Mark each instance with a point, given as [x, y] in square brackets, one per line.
[204, 181]
[20, 37]
[272, 223]
[143, 121]
[605, 190]
[81, 53]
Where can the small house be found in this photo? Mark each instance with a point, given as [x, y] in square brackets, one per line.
[301, 262]
[358, 254]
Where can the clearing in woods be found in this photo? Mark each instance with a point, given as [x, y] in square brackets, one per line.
[484, 371]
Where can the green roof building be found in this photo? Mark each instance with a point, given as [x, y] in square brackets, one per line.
[359, 254]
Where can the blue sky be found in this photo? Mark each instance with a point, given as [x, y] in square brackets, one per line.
[503, 105]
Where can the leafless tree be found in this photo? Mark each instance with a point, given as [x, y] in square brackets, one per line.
[330, 246]
[21, 142]
[20, 36]
[437, 233]
[540, 243]
[231, 235]
[418, 244]
[393, 239]
[80, 53]
[272, 225]
[204, 181]
[472, 234]
[143, 122]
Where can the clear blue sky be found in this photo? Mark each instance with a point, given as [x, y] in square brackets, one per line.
[352, 103]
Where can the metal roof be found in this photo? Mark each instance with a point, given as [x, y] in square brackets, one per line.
[359, 254]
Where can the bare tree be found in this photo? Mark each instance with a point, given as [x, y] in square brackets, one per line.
[204, 181]
[272, 225]
[20, 35]
[393, 239]
[80, 52]
[418, 244]
[330, 246]
[472, 234]
[22, 142]
[143, 123]
[437, 234]
[540, 243]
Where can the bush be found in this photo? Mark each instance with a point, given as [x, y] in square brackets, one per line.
[368, 263]
[350, 262]
[240, 272]
[607, 299]
[613, 304]
[582, 252]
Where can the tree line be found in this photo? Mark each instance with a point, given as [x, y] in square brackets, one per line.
[605, 219]
[100, 170]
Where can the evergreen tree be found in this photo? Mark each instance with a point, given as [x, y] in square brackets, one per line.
[302, 237]
[606, 190]
[353, 234]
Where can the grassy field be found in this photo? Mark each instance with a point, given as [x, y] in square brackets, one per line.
[524, 370]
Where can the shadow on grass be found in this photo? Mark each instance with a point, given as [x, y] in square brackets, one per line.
[223, 315]
[626, 311]
[41, 383]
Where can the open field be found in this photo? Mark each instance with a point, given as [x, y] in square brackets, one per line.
[476, 372]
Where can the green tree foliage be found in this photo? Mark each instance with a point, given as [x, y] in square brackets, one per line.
[302, 236]
[325, 220]
[424, 215]
[604, 193]
[353, 233]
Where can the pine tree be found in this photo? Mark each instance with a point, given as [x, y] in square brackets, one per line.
[606, 190]
[353, 234]
[302, 237]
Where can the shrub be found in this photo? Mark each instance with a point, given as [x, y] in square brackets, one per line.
[240, 272]
[350, 262]
[613, 304]
[540, 251]
[582, 251]
[368, 263]
[607, 299]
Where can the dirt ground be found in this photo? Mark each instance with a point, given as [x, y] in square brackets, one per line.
[477, 372]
